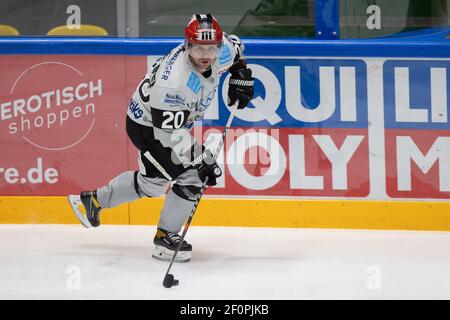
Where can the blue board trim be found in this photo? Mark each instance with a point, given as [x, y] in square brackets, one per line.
[386, 47]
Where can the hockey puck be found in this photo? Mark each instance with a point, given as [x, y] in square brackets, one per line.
[170, 281]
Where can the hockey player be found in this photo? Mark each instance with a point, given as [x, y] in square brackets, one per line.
[175, 92]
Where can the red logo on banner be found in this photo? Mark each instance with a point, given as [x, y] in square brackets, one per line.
[52, 99]
[62, 120]
[292, 162]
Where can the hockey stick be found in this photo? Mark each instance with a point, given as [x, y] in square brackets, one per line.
[169, 279]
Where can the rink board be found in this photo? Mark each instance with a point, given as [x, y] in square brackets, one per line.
[339, 134]
[247, 212]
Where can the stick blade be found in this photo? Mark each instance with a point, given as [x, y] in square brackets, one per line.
[169, 281]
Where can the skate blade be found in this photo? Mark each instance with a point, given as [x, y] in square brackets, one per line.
[163, 254]
[78, 208]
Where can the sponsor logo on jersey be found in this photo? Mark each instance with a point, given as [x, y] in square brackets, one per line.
[204, 103]
[135, 110]
[174, 100]
[169, 67]
[224, 55]
[194, 83]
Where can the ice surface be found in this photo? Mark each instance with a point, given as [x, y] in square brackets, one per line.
[114, 262]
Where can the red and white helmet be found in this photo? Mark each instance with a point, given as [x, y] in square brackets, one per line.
[203, 29]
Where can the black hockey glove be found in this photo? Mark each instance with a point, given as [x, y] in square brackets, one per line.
[207, 167]
[240, 84]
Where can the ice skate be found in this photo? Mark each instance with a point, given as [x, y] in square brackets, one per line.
[166, 244]
[86, 208]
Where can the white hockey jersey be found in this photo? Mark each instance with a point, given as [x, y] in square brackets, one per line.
[173, 95]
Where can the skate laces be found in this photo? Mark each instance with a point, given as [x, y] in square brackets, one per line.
[174, 237]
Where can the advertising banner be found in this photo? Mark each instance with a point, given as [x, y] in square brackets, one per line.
[62, 121]
[363, 128]
[370, 128]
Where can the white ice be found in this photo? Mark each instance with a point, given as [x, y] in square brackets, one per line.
[114, 262]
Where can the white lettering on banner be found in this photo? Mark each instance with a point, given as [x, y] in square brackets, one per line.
[294, 104]
[235, 161]
[35, 103]
[26, 124]
[11, 175]
[50, 109]
[327, 102]
[264, 109]
[297, 172]
[407, 150]
[438, 86]
[30, 103]
[347, 80]
[77, 92]
[438, 95]
[339, 158]
[34, 175]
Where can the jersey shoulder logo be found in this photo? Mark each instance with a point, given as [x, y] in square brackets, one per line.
[194, 83]
[225, 55]
[170, 64]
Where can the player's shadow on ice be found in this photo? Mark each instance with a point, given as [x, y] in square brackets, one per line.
[202, 256]
[138, 251]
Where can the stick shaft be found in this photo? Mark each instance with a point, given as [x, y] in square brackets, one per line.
[199, 196]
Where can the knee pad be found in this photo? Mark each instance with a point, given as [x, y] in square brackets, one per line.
[149, 187]
[186, 192]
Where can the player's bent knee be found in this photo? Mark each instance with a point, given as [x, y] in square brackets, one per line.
[186, 192]
[149, 187]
